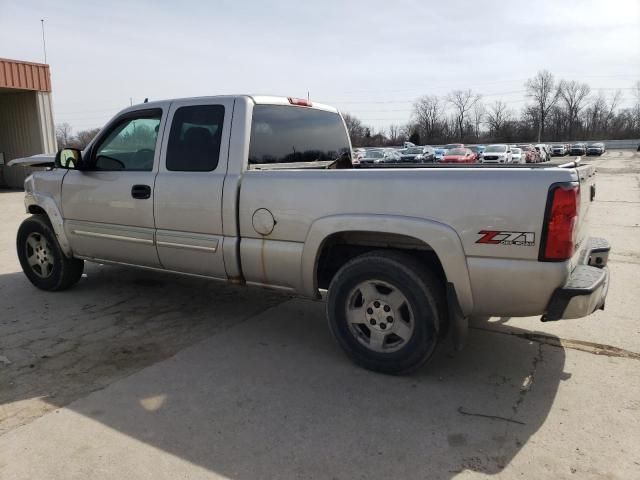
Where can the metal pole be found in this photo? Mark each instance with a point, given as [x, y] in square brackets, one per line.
[44, 43]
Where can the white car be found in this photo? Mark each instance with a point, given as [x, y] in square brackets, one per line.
[358, 154]
[544, 151]
[517, 156]
[498, 153]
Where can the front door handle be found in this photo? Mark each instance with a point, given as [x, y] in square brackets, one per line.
[141, 191]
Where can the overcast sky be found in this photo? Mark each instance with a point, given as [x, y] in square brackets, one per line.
[370, 58]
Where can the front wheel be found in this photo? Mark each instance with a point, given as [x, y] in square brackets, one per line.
[385, 310]
[41, 257]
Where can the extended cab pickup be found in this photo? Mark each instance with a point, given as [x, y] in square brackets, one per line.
[259, 190]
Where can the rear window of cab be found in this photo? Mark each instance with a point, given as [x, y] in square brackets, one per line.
[282, 134]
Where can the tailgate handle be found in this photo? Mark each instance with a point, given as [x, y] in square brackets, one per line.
[141, 191]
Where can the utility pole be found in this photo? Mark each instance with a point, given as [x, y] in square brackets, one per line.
[44, 43]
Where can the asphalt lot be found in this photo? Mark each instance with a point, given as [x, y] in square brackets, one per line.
[135, 374]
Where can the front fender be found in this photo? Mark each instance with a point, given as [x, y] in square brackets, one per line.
[443, 239]
[49, 205]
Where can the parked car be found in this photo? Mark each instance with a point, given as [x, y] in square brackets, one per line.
[531, 154]
[459, 155]
[392, 155]
[543, 152]
[260, 190]
[477, 150]
[578, 149]
[369, 157]
[596, 149]
[498, 153]
[439, 153]
[559, 150]
[517, 155]
[417, 155]
[358, 155]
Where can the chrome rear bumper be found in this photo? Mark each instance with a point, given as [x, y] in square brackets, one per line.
[587, 286]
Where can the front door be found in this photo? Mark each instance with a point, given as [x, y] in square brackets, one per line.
[108, 208]
[188, 189]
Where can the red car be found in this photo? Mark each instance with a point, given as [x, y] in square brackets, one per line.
[459, 155]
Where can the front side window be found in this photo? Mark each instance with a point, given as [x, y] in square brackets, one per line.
[131, 144]
[194, 141]
[290, 134]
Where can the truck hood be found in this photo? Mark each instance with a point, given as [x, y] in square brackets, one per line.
[40, 160]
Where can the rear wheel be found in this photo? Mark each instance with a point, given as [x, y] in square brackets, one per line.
[41, 257]
[385, 310]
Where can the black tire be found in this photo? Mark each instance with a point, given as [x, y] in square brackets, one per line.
[63, 273]
[425, 297]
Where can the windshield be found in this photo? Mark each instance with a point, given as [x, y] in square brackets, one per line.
[495, 148]
[456, 151]
[516, 151]
[375, 154]
[452, 145]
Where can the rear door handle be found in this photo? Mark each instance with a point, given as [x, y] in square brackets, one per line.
[141, 191]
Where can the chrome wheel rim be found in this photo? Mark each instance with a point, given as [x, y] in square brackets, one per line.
[380, 316]
[39, 255]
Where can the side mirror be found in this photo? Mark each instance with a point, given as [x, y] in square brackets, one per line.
[69, 158]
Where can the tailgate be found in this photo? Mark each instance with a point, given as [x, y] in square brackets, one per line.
[587, 174]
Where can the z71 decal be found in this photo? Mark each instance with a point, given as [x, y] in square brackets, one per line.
[496, 237]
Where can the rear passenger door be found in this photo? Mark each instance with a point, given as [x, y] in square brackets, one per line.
[188, 188]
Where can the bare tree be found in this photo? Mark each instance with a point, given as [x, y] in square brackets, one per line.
[478, 114]
[574, 96]
[613, 105]
[357, 131]
[636, 107]
[498, 116]
[543, 91]
[394, 133]
[427, 112]
[594, 114]
[84, 137]
[462, 101]
[64, 134]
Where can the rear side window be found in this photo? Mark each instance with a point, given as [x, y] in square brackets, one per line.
[283, 134]
[194, 140]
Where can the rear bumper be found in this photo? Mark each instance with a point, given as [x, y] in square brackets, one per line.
[587, 286]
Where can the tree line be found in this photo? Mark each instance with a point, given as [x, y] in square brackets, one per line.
[558, 110]
[66, 138]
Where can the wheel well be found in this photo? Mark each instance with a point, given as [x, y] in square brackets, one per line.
[339, 248]
[36, 210]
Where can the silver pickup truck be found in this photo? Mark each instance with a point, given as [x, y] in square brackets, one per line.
[260, 190]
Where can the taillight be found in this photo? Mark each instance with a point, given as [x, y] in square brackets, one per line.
[561, 221]
[300, 101]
